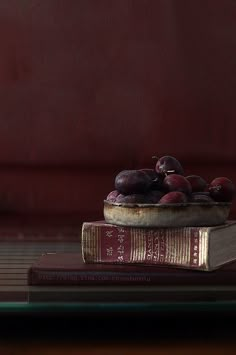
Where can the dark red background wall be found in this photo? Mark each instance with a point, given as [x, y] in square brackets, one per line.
[88, 88]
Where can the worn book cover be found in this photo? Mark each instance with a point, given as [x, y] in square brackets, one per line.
[198, 248]
[69, 269]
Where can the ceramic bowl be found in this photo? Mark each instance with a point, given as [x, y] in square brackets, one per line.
[166, 215]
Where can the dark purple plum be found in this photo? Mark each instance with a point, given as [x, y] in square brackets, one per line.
[168, 165]
[201, 197]
[133, 198]
[120, 197]
[154, 196]
[206, 193]
[175, 182]
[130, 182]
[156, 178]
[174, 197]
[112, 196]
[197, 183]
[222, 189]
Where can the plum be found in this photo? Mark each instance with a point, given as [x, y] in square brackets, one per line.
[197, 183]
[175, 182]
[154, 196]
[112, 196]
[222, 189]
[169, 165]
[132, 198]
[201, 197]
[130, 182]
[174, 197]
[156, 178]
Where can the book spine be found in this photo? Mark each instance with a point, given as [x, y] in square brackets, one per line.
[184, 247]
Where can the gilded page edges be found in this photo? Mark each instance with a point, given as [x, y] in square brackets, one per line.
[184, 247]
[83, 241]
[91, 239]
[162, 246]
[138, 245]
[204, 248]
[178, 247]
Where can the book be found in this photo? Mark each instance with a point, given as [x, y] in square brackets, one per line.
[65, 268]
[160, 285]
[63, 277]
[198, 248]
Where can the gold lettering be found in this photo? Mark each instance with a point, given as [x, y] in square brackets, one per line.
[109, 251]
[121, 249]
[121, 238]
[109, 234]
[120, 258]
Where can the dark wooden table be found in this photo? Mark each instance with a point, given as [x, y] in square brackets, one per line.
[30, 332]
[15, 259]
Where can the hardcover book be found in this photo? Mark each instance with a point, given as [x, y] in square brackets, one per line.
[197, 248]
[69, 269]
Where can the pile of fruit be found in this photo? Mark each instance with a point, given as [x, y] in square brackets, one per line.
[166, 184]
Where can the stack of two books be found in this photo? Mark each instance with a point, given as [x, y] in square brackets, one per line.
[117, 263]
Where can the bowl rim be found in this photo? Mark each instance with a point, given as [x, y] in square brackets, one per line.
[167, 205]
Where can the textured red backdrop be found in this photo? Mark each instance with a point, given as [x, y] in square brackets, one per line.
[88, 88]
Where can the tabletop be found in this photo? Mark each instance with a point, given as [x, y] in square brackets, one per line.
[97, 322]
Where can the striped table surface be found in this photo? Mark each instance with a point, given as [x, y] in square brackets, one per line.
[15, 259]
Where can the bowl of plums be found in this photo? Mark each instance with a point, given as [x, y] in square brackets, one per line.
[165, 197]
